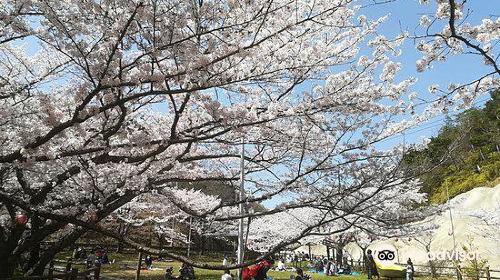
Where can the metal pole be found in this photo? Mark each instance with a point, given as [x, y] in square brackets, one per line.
[189, 235]
[173, 233]
[138, 270]
[241, 207]
[451, 217]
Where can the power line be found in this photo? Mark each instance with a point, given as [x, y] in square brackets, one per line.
[426, 127]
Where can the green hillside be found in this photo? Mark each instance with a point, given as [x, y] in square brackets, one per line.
[464, 155]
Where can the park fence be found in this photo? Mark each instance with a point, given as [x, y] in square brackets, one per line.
[65, 270]
[449, 272]
[435, 271]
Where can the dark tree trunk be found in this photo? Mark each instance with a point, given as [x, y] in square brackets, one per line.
[8, 262]
[48, 255]
[203, 241]
[365, 260]
[119, 248]
[160, 241]
[34, 250]
[338, 257]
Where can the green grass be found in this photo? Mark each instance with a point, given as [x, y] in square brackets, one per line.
[122, 268]
[116, 270]
[119, 269]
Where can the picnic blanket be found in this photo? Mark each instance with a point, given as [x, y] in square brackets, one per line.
[353, 273]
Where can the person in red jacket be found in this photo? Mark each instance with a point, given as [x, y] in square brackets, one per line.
[259, 271]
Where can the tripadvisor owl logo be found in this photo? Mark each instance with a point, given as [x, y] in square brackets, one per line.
[385, 255]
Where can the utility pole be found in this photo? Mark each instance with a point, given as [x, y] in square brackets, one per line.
[189, 235]
[451, 216]
[241, 245]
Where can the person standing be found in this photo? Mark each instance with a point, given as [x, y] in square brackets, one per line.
[149, 262]
[227, 275]
[224, 261]
[410, 270]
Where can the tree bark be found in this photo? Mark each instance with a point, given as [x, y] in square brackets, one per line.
[7, 246]
[48, 255]
[119, 248]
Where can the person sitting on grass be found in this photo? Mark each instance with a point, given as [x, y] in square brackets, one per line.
[91, 260]
[347, 269]
[301, 276]
[227, 275]
[319, 266]
[149, 261]
[280, 266]
[259, 271]
[186, 271]
[169, 273]
[105, 258]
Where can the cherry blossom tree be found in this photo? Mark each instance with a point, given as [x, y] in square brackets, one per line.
[106, 101]
[489, 218]
[447, 32]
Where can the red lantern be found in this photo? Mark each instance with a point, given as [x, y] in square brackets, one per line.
[21, 219]
[93, 218]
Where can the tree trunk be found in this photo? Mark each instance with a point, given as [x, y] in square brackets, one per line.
[365, 260]
[48, 255]
[119, 248]
[203, 240]
[34, 250]
[339, 255]
[7, 264]
[160, 241]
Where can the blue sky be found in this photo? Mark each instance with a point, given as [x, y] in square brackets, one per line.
[405, 15]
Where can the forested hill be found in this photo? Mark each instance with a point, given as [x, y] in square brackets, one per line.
[465, 153]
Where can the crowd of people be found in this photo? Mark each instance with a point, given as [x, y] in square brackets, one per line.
[96, 255]
[259, 271]
[186, 272]
[329, 267]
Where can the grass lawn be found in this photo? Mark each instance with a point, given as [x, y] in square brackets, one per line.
[124, 264]
[122, 268]
[117, 270]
